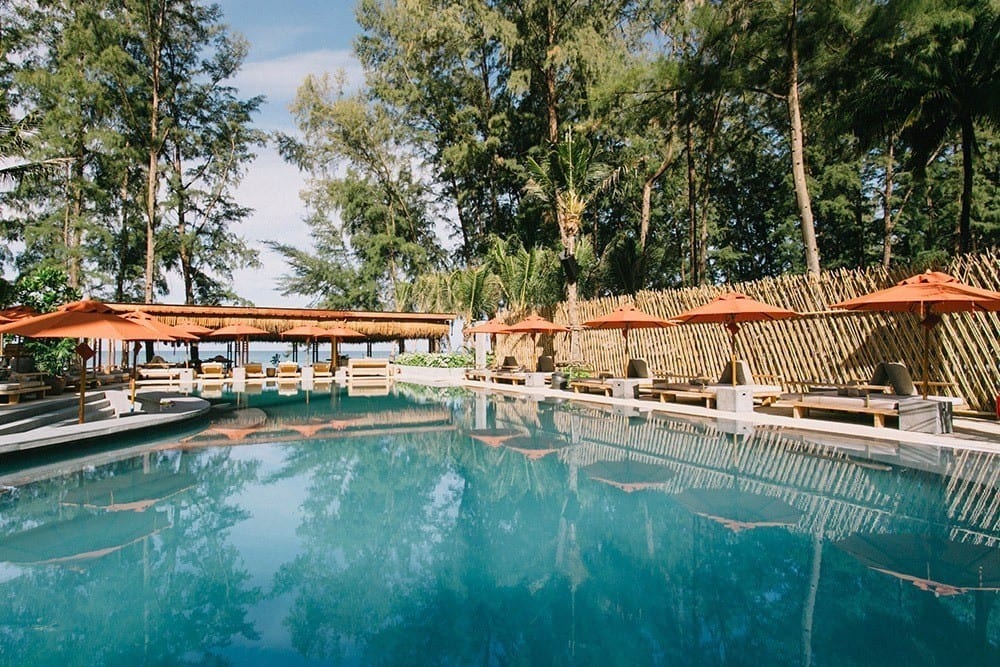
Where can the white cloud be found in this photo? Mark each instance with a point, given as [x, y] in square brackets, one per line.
[272, 186]
[279, 78]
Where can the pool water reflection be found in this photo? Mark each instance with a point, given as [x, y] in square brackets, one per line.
[429, 528]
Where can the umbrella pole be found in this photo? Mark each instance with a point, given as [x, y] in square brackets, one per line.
[927, 360]
[83, 390]
[627, 357]
[732, 355]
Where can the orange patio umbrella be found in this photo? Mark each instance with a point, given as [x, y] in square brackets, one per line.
[534, 325]
[307, 332]
[192, 328]
[335, 334]
[733, 309]
[240, 333]
[492, 327]
[626, 318]
[926, 294]
[82, 319]
[159, 327]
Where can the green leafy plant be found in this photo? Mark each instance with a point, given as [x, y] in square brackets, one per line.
[52, 357]
[436, 359]
[45, 289]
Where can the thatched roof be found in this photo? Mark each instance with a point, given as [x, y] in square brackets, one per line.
[376, 326]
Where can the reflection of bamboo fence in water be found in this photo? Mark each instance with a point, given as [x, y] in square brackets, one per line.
[973, 496]
[838, 495]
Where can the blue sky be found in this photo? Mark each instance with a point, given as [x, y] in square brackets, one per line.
[288, 40]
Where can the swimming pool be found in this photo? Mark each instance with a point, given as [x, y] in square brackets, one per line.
[446, 527]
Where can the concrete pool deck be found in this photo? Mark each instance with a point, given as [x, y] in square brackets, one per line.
[53, 421]
[969, 433]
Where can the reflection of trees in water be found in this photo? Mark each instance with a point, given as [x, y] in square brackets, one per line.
[179, 593]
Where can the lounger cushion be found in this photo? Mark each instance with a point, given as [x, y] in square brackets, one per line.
[546, 364]
[637, 368]
[742, 373]
[900, 380]
[509, 362]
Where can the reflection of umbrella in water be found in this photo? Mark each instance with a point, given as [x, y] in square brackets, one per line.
[535, 447]
[629, 475]
[739, 510]
[133, 490]
[83, 537]
[930, 563]
[494, 437]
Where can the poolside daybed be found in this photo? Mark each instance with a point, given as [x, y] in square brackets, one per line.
[23, 384]
[288, 369]
[890, 392]
[703, 391]
[212, 370]
[638, 379]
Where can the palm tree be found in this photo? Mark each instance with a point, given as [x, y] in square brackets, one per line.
[15, 162]
[939, 75]
[568, 180]
[521, 274]
[475, 292]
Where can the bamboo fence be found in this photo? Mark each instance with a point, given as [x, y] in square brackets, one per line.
[823, 346]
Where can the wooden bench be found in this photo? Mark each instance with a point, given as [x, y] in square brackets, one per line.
[368, 369]
[591, 386]
[802, 407]
[14, 389]
[509, 377]
[673, 395]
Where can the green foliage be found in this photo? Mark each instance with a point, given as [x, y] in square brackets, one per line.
[462, 359]
[90, 80]
[45, 289]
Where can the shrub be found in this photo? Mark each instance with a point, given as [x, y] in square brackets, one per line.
[436, 359]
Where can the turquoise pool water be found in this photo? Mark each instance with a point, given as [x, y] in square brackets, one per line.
[455, 528]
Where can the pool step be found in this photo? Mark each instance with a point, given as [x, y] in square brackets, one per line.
[60, 413]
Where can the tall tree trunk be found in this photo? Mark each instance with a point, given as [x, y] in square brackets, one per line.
[155, 36]
[692, 205]
[798, 150]
[183, 248]
[647, 195]
[965, 217]
[888, 219]
[551, 97]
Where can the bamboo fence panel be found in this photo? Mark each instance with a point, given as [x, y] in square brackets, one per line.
[823, 346]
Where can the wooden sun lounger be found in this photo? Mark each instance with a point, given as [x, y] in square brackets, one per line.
[510, 377]
[23, 385]
[288, 369]
[878, 408]
[678, 395]
[591, 386]
[369, 372]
